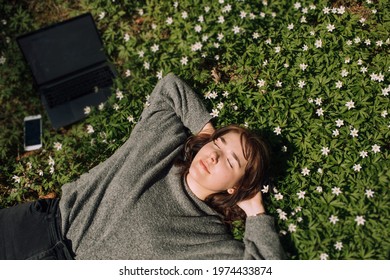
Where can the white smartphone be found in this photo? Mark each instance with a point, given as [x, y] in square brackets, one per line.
[32, 133]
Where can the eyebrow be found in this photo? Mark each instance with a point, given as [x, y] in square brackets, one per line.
[233, 153]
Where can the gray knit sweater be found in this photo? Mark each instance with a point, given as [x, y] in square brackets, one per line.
[134, 205]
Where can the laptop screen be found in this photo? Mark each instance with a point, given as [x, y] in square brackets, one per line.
[62, 49]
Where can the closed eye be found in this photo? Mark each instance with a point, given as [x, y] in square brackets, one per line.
[231, 166]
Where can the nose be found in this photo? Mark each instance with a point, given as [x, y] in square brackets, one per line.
[214, 157]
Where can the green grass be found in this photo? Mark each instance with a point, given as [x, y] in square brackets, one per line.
[314, 81]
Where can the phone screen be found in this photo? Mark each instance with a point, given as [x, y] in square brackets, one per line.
[33, 132]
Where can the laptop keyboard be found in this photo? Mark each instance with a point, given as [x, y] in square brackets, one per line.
[79, 86]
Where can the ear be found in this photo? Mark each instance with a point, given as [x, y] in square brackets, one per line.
[231, 190]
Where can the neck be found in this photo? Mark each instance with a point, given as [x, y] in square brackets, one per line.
[195, 188]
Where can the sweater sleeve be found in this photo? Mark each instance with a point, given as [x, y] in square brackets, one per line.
[158, 137]
[261, 240]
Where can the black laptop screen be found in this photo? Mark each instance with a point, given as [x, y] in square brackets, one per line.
[62, 49]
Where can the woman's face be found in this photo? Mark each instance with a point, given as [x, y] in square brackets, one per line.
[218, 166]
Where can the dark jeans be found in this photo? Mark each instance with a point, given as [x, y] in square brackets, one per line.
[32, 231]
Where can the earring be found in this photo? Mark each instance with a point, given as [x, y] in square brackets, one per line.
[230, 191]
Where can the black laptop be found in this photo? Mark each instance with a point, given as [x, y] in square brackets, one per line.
[69, 67]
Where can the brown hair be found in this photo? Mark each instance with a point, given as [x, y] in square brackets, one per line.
[255, 151]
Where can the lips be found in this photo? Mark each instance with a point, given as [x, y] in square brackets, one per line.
[204, 166]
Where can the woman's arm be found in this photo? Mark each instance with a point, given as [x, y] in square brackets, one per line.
[261, 240]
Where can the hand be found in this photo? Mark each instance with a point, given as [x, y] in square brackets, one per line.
[207, 129]
[253, 205]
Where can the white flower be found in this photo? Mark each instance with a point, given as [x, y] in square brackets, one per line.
[282, 215]
[255, 35]
[363, 70]
[184, 60]
[119, 95]
[339, 123]
[384, 114]
[357, 167]
[268, 41]
[40, 172]
[301, 83]
[305, 171]
[141, 53]
[325, 151]
[260, 83]
[344, 73]
[51, 170]
[265, 189]
[214, 113]
[90, 129]
[303, 66]
[131, 119]
[169, 20]
[221, 19]
[338, 245]
[155, 48]
[318, 101]
[301, 194]
[320, 171]
[146, 65]
[336, 190]
[326, 10]
[354, 133]
[319, 189]
[184, 15]
[2, 60]
[236, 29]
[102, 15]
[333, 219]
[284, 149]
[292, 228]
[318, 43]
[335, 132]
[51, 161]
[330, 27]
[320, 112]
[324, 256]
[16, 179]
[201, 18]
[278, 84]
[220, 105]
[115, 107]
[278, 130]
[57, 146]
[159, 75]
[198, 28]
[225, 93]
[376, 149]
[297, 5]
[339, 84]
[128, 73]
[227, 8]
[126, 37]
[196, 47]
[369, 193]
[360, 220]
[220, 36]
[290, 26]
[101, 106]
[277, 49]
[87, 110]
[341, 10]
[379, 43]
[278, 196]
[363, 154]
[350, 105]
[243, 14]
